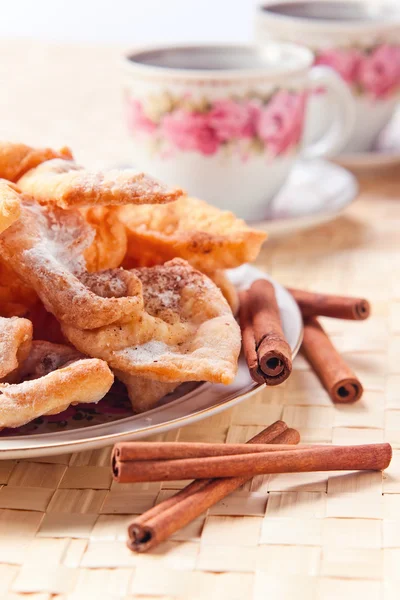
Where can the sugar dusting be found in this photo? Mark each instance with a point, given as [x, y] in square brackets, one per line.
[107, 284]
[145, 353]
[63, 235]
[163, 286]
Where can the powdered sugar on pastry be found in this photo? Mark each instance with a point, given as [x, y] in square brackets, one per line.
[189, 335]
[85, 380]
[45, 248]
[66, 184]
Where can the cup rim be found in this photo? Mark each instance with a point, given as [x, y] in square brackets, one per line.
[302, 54]
[390, 22]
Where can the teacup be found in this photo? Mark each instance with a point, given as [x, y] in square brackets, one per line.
[360, 40]
[225, 122]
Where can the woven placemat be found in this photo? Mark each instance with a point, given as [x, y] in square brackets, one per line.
[304, 536]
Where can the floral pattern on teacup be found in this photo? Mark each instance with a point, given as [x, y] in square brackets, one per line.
[272, 125]
[375, 71]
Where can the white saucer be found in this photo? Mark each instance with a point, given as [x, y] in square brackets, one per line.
[89, 426]
[316, 192]
[385, 153]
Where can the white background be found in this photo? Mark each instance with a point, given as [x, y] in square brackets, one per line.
[128, 21]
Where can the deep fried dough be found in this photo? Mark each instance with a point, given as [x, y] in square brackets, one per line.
[45, 357]
[45, 325]
[17, 159]
[186, 331]
[210, 239]
[108, 249]
[45, 247]
[62, 383]
[227, 288]
[15, 343]
[16, 297]
[145, 393]
[10, 208]
[68, 185]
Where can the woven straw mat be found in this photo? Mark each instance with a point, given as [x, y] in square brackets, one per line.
[304, 536]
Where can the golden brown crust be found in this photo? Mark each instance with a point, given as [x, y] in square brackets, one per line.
[68, 185]
[85, 380]
[108, 248]
[208, 238]
[145, 393]
[227, 288]
[43, 358]
[17, 159]
[15, 343]
[45, 325]
[10, 208]
[186, 331]
[45, 248]
[16, 297]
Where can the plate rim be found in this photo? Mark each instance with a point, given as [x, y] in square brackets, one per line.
[62, 446]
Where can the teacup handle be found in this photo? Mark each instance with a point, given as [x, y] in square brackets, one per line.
[343, 107]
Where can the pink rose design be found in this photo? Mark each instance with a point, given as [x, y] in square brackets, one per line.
[231, 120]
[281, 123]
[253, 108]
[380, 71]
[190, 131]
[137, 120]
[345, 62]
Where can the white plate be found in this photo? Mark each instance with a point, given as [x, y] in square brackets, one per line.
[317, 191]
[72, 430]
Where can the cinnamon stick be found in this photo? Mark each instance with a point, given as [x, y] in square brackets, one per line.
[126, 471]
[248, 339]
[289, 436]
[131, 451]
[313, 304]
[161, 521]
[328, 458]
[337, 378]
[267, 353]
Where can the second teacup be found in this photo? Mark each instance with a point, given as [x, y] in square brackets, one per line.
[225, 122]
[360, 40]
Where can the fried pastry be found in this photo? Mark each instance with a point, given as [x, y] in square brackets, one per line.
[227, 288]
[108, 249]
[17, 159]
[16, 297]
[10, 208]
[45, 357]
[145, 393]
[65, 184]
[208, 238]
[15, 343]
[58, 377]
[45, 325]
[45, 248]
[186, 331]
